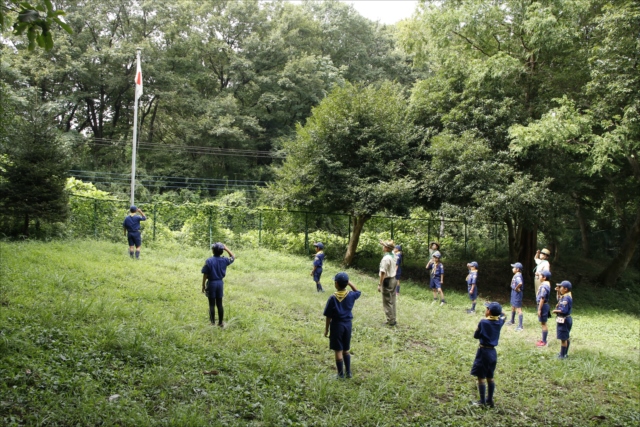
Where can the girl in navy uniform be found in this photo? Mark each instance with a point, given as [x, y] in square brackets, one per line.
[437, 277]
[398, 252]
[472, 285]
[542, 301]
[317, 266]
[563, 319]
[517, 285]
[484, 365]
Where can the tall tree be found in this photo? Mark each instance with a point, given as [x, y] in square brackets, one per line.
[350, 157]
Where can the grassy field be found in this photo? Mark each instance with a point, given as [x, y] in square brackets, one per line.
[90, 337]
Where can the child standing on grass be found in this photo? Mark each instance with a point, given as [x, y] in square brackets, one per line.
[472, 285]
[317, 265]
[517, 285]
[563, 319]
[213, 272]
[131, 225]
[542, 301]
[398, 252]
[437, 277]
[484, 365]
[338, 321]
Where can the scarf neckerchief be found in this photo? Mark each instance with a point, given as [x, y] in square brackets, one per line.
[340, 295]
[493, 317]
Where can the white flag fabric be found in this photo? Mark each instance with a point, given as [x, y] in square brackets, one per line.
[138, 80]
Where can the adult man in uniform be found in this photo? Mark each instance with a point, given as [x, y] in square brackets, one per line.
[387, 282]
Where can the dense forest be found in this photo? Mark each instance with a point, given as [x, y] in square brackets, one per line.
[521, 112]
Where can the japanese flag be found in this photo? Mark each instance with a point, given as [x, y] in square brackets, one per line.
[138, 80]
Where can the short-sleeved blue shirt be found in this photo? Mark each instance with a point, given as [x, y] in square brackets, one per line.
[216, 268]
[488, 331]
[565, 303]
[132, 223]
[544, 291]
[437, 272]
[472, 279]
[340, 311]
[517, 280]
[318, 260]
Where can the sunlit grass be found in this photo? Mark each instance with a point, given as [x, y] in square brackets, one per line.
[80, 323]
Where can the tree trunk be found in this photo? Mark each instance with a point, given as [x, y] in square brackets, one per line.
[584, 231]
[25, 230]
[352, 247]
[527, 250]
[614, 270]
[513, 254]
[441, 235]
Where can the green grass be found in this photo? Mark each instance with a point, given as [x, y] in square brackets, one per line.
[80, 322]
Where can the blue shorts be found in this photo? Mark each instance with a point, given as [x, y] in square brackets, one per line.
[135, 239]
[435, 284]
[214, 289]
[485, 362]
[516, 299]
[563, 329]
[340, 336]
[544, 313]
[474, 295]
[317, 274]
[398, 273]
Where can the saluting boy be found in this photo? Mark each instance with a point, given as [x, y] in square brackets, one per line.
[484, 365]
[317, 265]
[517, 286]
[338, 321]
[472, 285]
[213, 273]
[542, 301]
[563, 319]
[131, 225]
[437, 277]
[398, 253]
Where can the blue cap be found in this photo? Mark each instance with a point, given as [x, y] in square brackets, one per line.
[133, 208]
[473, 264]
[517, 265]
[437, 254]
[494, 308]
[319, 245]
[217, 247]
[545, 273]
[565, 284]
[399, 247]
[342, 278]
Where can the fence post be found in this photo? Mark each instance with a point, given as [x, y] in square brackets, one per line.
[429, 233]
[210, 209]
[465, 238]
[392, 228]
[306, 231]
[95, 218]
[349, 238]
[260, 230]
[154, 222]
[495, 240]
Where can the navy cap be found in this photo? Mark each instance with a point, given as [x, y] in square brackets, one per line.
[342, 278]
[545, 273]
[517, 265]
[473, 264]
[218, 247]
[319, 245]
[133, 208]
[494, 308]
[399, 247]
[565, 284]
[437, 254]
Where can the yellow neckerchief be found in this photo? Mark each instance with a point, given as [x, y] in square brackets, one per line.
[319, 252]
[568, 294]
[340, 295]
[493, 317]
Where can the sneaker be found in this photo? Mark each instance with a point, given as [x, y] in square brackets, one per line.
[469, 311]
[519, 329]
[221, 325]
[478, 403]
[339, 377]
[442, 303]
[434, 301]
[349, 375]
[541, 343]
[490, 403]
[509, 323]
[392, 324]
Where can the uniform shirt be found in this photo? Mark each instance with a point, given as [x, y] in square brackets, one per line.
[388, 265]
[472, 278]
[543, 293]
[216, 267]
[542, 265]
[132, 223]
[340, 311]
[564, 305]
[517, 280]
[488, 331]
[437, 271]
[318, 260]
[398, 260]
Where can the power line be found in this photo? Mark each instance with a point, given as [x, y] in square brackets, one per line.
[164, 177]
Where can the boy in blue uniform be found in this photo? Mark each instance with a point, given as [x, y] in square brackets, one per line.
[484, 365]
[437, 277]
[131, 225]
[472, 285]
[214, 270]
[542, 301]
[563, 319]
[398, 252]
[517, 285]
[317, 266]
[338, 320]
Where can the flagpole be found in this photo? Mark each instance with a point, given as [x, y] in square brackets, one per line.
[135, 135]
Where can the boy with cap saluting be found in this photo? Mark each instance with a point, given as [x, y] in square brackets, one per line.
[542, 264]
[338, 321]
[563, 319]
[317, 265]
[131, 225]
[472, 285]
[436, 277]
[484, 365]
[542, 301]
[214, 270]
[517, 285]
